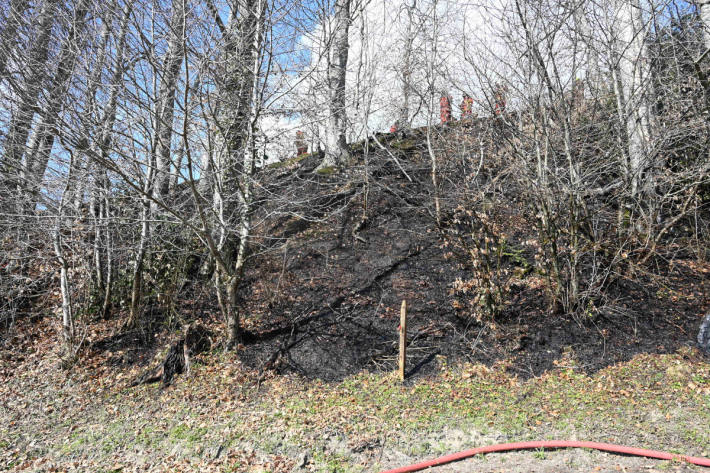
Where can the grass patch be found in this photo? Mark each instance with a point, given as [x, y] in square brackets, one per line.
[640, 402]
[188, 434]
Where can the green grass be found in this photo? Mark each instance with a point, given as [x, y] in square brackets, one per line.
[659, 401]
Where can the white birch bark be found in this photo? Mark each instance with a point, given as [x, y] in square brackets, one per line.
[634, 75]
[229, 167]
[245, 192]
[336, 147]
[88, 117]
[101, 198]
[65, 285]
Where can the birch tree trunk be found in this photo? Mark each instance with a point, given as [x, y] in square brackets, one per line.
[137, 287]
[634, 74]
[175, 174]
[65, 286]
[336, 146]
[102, 181]
[96, 201]
[231, 171]
[102, 160]
[255, 55]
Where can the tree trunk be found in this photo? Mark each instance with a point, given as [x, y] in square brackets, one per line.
[47, 131]
[23, 116]
[108, 283]
[166, 99]
[704, 14]
[67, 316]
[148, 184]
[206, 186]
[634, 73]
[336, 146]
[407, 67]
[244, 40]
[80, 181]
[65, 287]
[137, 288]
[8, 37]
[96, 213]
[234, 196]
[175, 173]
[233, 329]
[103, 241]
[563, 115]
[93, 167]
[101, 180]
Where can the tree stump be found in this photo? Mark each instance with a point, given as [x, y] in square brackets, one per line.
[196, 339]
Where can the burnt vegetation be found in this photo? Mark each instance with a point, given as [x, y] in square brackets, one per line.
[333, 254]
[518, 237]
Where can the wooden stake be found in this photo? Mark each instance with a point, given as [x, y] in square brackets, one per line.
[402, 340]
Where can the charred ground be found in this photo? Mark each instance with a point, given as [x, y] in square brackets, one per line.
[325, 303]
[312, 388]
[336, 251]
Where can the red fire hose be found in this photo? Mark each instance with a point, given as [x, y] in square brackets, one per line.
[504, 447]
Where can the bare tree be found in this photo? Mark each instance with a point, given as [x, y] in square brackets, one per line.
[407, 63]
[230, 160]
[632, 94]
[47, 130]
[100, 199]
[68, 333]
[336, 147]
[27, 97]
[433, 94]
[704, 13]
[166, 98]
[16, 12]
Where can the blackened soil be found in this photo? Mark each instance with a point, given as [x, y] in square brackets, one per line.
[337, 254]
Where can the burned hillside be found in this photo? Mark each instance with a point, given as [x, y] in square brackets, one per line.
[337, 252]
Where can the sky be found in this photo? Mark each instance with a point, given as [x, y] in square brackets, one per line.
[451, 37]
[471, 46]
